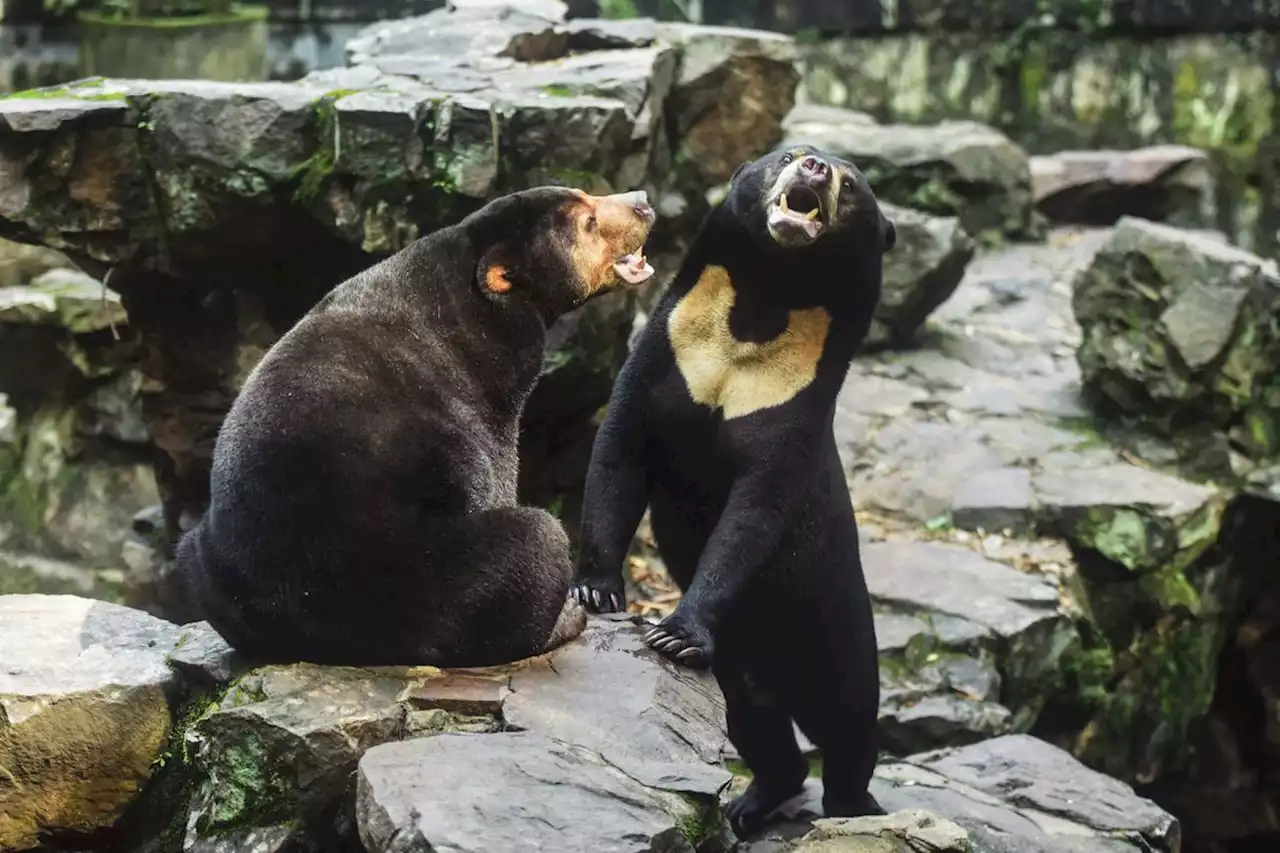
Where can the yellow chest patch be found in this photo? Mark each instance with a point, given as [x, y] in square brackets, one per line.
[739, 377]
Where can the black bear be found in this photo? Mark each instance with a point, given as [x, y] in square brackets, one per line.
[363, 506]
[721, 422]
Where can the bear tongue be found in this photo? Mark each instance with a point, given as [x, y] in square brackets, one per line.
[633, 269]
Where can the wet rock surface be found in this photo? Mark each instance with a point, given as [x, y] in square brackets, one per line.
[961, 168]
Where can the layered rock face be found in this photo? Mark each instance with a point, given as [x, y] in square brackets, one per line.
[225, 211]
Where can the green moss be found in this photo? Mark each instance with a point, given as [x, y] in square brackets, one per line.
[64, 92]
[558, 91]
[312, 175]
[1164, 682]
[237, 15]
[618, 9]
[702, 822]
[1127, 536]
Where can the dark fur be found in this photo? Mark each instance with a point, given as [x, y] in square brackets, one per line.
[752, 515]
[363, 506]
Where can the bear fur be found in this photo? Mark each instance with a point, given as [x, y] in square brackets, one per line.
[363, 492]
[721, 422]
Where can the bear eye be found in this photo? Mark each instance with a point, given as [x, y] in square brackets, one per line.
[591, 223]
[787, 158]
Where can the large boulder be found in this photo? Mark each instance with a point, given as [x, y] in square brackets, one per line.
[227, 210]
[1179, 332]
[1161, 182]
[478, 792]
[85, 694]
[920, 272]
[956, 168]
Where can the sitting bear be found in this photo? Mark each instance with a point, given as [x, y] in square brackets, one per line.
[363, 491]
[721, 422]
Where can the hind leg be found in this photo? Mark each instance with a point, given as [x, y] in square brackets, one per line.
[512, 602]
[761, 730]
[838, 712]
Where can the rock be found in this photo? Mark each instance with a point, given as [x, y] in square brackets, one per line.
[1098, 187]
[83, 712]
[479, 792]
[63, 507]
[1011, 794]
[1177, 332]
[201, 655]
[610, 693]
[731, 97]
[908, 831]
[324, 176]
[1050, 784]
[20, 263]
[965, 643]
[65, 298]
[279, 748]
[955, 168]
[277, 752]
[977, 437]
[921, 271]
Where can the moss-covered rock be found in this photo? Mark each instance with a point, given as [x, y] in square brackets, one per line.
[1179, 332]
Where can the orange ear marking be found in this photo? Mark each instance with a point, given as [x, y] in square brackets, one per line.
[496, 279]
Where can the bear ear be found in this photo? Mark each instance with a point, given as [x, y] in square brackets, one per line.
[495, 278]
[738, 171]
[493, 273]
[889, 234]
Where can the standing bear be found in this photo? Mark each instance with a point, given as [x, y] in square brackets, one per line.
[363, 506]
[721, 422]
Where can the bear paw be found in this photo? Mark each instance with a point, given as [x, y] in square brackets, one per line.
[682, 640]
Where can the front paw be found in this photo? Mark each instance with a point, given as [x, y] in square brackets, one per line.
[599, 596]
[682, 640]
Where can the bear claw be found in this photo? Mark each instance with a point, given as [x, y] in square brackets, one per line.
[681, 641]
[597, 600]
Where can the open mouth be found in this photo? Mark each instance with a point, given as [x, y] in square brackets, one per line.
[799, 207]
[633, 268]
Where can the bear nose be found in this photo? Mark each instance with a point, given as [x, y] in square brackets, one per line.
[640, 204]
[815, 167]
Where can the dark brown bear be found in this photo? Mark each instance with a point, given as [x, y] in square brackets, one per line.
[363, 507]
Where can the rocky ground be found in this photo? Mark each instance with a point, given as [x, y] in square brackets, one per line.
[127, 732]
[1060, 442]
